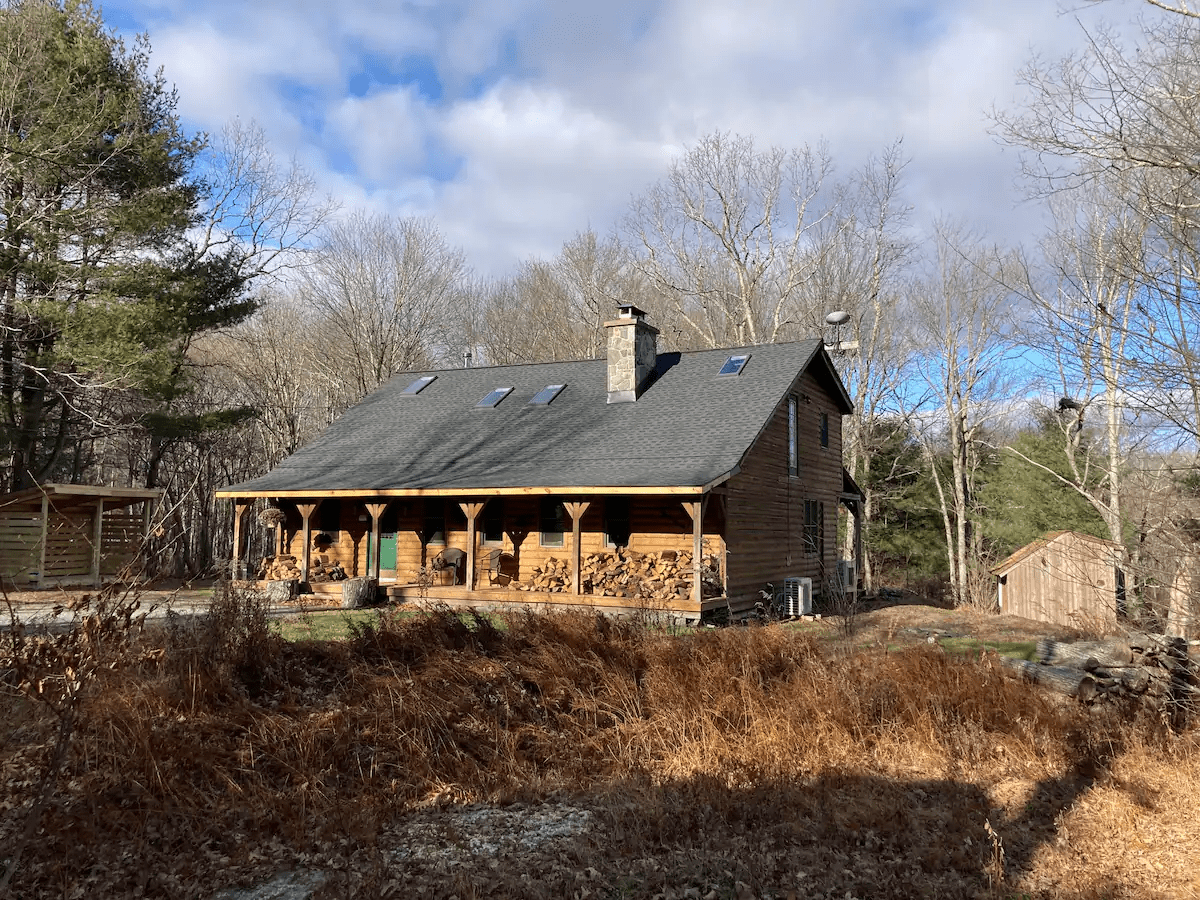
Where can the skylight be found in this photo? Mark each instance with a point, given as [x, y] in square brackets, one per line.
[546, 394]
[734, 365]
[494, 397]
[417, 386]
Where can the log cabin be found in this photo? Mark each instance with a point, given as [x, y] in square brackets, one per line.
[685, 482]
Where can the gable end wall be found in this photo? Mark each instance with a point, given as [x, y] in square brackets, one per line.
[765, 505]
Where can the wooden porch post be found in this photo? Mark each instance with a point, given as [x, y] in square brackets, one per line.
[41, 579]
[240, 508]
[306, 511]
[376, 512]
[97, 537]
[695, 509]
[576, 511]
[472, 511]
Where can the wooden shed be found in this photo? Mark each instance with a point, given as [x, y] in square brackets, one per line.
[71, 533]
[1066, 578]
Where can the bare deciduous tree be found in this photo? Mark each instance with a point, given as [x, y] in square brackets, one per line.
[962, 323]
[386, 291]
[727, 238]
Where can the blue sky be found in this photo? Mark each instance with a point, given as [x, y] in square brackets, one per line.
[515, 123]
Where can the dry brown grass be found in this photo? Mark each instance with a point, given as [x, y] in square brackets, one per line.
[745, 762]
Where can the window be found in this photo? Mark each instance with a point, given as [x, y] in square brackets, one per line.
[493, 398]
[435, 520]
[793, 434]
[825, 430]
[734, 365]
[546, 394]
[417, 386]
[812, 525]
[616, 522]
[493, 522]
[329, 518]
[553, 516]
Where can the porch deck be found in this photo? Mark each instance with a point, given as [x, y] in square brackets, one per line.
[460, 595]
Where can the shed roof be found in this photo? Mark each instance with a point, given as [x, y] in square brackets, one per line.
[1011, 562]
[689, 429]
[63, 496]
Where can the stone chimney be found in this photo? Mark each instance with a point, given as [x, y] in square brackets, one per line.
[632, 354]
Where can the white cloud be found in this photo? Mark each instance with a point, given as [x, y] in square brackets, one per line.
[552, 114]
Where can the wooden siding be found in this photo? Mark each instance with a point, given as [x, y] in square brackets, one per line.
[1070, 580]
[120, 540]
[20, 547]
[765, 505]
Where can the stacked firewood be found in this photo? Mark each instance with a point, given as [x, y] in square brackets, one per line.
[1148, 668]
[287, 568]
[554, 577]
[279, 568]
[661, 577]
[321, 569]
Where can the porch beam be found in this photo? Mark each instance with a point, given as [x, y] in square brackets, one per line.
[97, 537]
[239, 512]
[576, 511]
[471, 510]
[306, 511]
[696, 511]
[375, 510]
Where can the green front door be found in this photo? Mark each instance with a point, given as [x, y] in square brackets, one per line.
[387, 552]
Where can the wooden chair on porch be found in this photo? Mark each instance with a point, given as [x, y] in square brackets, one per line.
[449, 559]
[501, 567]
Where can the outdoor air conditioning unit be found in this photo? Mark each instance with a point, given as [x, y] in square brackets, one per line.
[848, 575]
[797, 596]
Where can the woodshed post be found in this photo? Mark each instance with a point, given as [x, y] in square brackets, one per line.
[97, 538]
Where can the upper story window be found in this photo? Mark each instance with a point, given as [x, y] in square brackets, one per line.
[417, 386]
[734, 365]
[825, 430]
[493, 398]
[793, 436]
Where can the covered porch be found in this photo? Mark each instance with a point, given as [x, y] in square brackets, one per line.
[514, 547]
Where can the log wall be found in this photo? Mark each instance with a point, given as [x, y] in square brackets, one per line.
[656, 524]
[765, 502]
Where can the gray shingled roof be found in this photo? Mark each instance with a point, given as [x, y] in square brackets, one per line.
[690, 428]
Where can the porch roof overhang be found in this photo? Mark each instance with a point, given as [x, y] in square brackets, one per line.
[671, 490]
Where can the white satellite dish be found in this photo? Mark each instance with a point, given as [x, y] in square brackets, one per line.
[838, 317]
